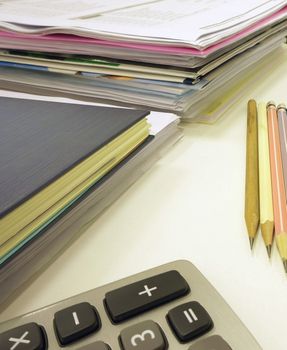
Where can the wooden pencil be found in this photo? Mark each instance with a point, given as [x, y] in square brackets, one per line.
[251, 179]
[265, 188]
[278, 189]
[282, 123]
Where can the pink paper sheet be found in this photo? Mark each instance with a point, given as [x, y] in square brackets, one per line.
[171, 49]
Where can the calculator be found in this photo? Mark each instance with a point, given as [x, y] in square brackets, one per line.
[168, 307]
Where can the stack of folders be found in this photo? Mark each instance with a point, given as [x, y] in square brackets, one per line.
[190, 57]
[266, 175]
[61, 164]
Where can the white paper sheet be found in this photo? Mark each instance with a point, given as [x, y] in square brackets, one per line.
[35, 11]
[198, 23]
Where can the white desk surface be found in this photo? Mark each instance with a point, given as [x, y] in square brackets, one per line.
[190, 205]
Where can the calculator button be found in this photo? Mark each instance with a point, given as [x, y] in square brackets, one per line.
[27, 337]
[75, 322]
[215, 342]
[146, 335]
[146, 294]
[189, 320]
[99, 345]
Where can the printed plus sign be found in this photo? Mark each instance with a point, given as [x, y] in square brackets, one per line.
[147, 290]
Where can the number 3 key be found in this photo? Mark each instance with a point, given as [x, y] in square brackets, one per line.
[146, 335]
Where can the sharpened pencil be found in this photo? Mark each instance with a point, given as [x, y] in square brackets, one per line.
[251, 179]
[265, 188]
[282, 124]
[278, 189]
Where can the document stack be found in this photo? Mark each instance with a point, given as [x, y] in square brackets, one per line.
[184, 56]
[61, 165]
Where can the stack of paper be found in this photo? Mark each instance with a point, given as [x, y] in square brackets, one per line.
[49, 187]
[49, 157]
[171, 55]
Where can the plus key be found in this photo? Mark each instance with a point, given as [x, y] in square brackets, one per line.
[138, 297]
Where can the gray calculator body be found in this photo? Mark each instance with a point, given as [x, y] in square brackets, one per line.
[225, 322]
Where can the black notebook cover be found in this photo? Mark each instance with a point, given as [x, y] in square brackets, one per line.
[40, 141]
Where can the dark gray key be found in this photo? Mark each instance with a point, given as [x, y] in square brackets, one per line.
[189, 320]
[75, 322]
[27, 337]
[99, 345]
[146, 335]
[215, 342]
[146, 294]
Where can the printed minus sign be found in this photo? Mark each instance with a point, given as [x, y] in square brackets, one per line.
[76, 319]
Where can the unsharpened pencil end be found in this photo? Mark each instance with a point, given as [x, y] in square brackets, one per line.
[281, 106]
[270, 103]
[268, 248]
[251, 241]
[285, 265]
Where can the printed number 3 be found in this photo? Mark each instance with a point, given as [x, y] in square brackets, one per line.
[142, 336]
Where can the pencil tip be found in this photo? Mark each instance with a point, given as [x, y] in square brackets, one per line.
[251, 241]
[269, 247]
[285, 265]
